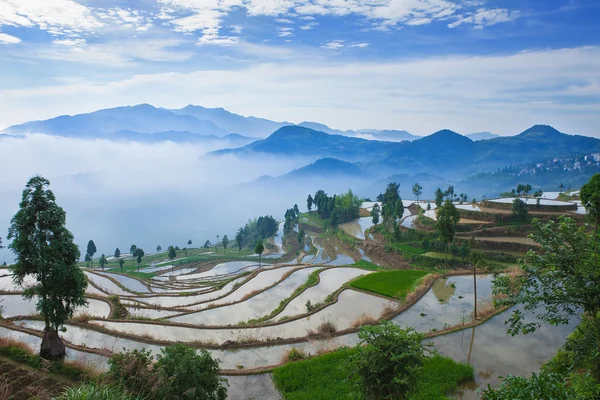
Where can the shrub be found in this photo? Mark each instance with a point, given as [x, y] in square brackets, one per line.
[294, 354]
[387, 367]
[542, 386]
[94, 392]
[132, 370]
[327, 328]
[189, 375]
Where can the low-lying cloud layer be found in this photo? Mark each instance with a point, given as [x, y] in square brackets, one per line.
[119, 194]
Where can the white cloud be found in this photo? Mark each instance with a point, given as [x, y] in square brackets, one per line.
[58, 17]
[309, 26]
[8, 39]
[285, 31]
[485, 17]
[333, 45]
[113, 54]
[237, 29]
[468, 94]
[361, 45]
[284, 21]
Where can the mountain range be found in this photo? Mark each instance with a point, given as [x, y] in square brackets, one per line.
[442, 153]
[192, 123]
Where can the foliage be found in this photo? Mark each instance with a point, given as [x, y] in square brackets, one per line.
[172, 253]
[225, 242]
[158, 248]
[394, 284]
[387, 367]
[121, 262]
[259, 248]
[590, 198]
[309, 202]
[558, 283]
[92, 391]
[519, 210]
[117, 253]
[447, 219]
[539, 386]
[132, 370]
[102, 261]
[438, 377]
[132, 249]
[325, 378]
[189, 375]
[91, 249]
[375, 211]
[138, 254]
[439, 197]
[364, 264]
[337, 209]
[255, 230]
[417, 191]
[44, 248]
[295, 354]
[300, 236]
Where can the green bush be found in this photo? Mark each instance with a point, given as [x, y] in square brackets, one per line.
[539, 386]
[21, 355]
[387, 367]
[132, 370]
[189, 375]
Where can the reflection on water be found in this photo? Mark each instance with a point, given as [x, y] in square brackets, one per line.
[494, 353]
[443, 289]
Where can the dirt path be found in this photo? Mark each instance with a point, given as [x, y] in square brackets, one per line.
[20, 382]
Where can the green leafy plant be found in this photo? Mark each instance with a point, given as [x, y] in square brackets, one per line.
[387, 361]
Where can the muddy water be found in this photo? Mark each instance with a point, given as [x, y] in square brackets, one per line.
[14, 305]
[357, 228]
[106, 284]
[182, 301]
[262, 280]
[494, 353]
[7, 285]
[129, 283]
[150, 313]
[230, 359]
[255, 307]
[350, 306]
[219, 269]
[441, 306]
[93, 361]
[330, 281]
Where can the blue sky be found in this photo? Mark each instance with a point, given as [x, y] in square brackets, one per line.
[419, 65]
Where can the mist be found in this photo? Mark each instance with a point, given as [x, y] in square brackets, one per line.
[119, 194]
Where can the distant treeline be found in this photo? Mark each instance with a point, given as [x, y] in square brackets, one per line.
[255, 230]
[337, 209]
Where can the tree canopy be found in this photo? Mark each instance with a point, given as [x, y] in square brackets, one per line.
[447, 219]
[44, 248]
[254, 230]
[558, 282]
[117, 253]
[519, 210]
[590, 198]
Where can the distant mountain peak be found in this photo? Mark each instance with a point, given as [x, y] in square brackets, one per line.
[541, 130]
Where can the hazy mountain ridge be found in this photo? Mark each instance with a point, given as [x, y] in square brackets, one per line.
[113, 123]
[442, 153]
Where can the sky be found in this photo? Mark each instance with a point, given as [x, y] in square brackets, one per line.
[418, 65]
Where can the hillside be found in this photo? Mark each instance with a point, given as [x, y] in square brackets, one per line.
[142, 118]
[305, 142]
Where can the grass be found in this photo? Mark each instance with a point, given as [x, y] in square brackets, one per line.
[96, 392]
[366, 265]
[395, 284]
[325, 377]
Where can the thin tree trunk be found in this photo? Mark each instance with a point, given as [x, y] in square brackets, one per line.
[475, 292]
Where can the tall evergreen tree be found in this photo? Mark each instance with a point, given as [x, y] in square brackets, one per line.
[91, 250]
[117, 253]
[309, 202]
[258, 249]
[447, 219]
[44, 248]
